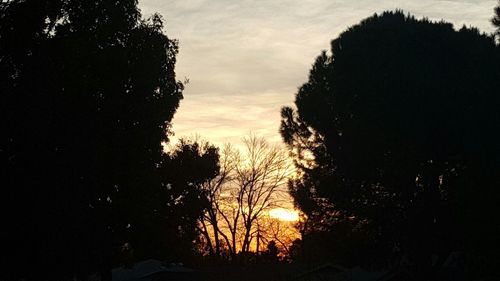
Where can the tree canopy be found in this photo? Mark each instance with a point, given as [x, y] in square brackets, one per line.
[88, 90]
[496, 19]
[396, 136]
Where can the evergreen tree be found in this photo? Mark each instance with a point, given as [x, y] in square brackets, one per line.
[496, 19]
[395, 136]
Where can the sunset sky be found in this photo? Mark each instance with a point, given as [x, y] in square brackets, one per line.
[246, 59]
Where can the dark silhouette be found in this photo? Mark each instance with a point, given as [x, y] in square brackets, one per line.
[396, 137]
[247, 186]
[496, 19]
[271, 254]
[184, 200]
[88, 90]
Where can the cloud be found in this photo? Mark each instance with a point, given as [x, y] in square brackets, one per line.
[228, 118]
[245, 59]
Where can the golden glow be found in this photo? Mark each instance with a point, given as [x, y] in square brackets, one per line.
[284, 214]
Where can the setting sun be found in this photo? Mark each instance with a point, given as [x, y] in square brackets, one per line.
[284, 214]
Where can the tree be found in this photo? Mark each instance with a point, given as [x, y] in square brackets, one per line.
[260, 179]
[88, 92]
[214, 191]
[271, 254]
[496, 19]
[393, 134]
[247, 187]
[183, 201]
[283, 233]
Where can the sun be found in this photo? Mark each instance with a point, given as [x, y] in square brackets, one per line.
[284, 214]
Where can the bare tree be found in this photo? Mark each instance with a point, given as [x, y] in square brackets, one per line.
[282, 232]
[250, 183]
[261, 180]
[209, 224]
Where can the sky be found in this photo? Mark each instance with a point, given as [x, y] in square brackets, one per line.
[246, 59]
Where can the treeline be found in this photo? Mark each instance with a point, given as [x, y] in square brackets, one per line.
[394, 140]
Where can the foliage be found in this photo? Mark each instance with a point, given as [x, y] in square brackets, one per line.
[394, 135]
[271, 254]
[88, 92]
[496, 19]
[183, 201]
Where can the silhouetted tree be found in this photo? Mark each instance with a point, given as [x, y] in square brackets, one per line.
[259, 179]
[248, 185]
[271, 254]
[496, 19]
[283, 233]
[183, 200]
[395, 137]
[88, 90]
[214, 189]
